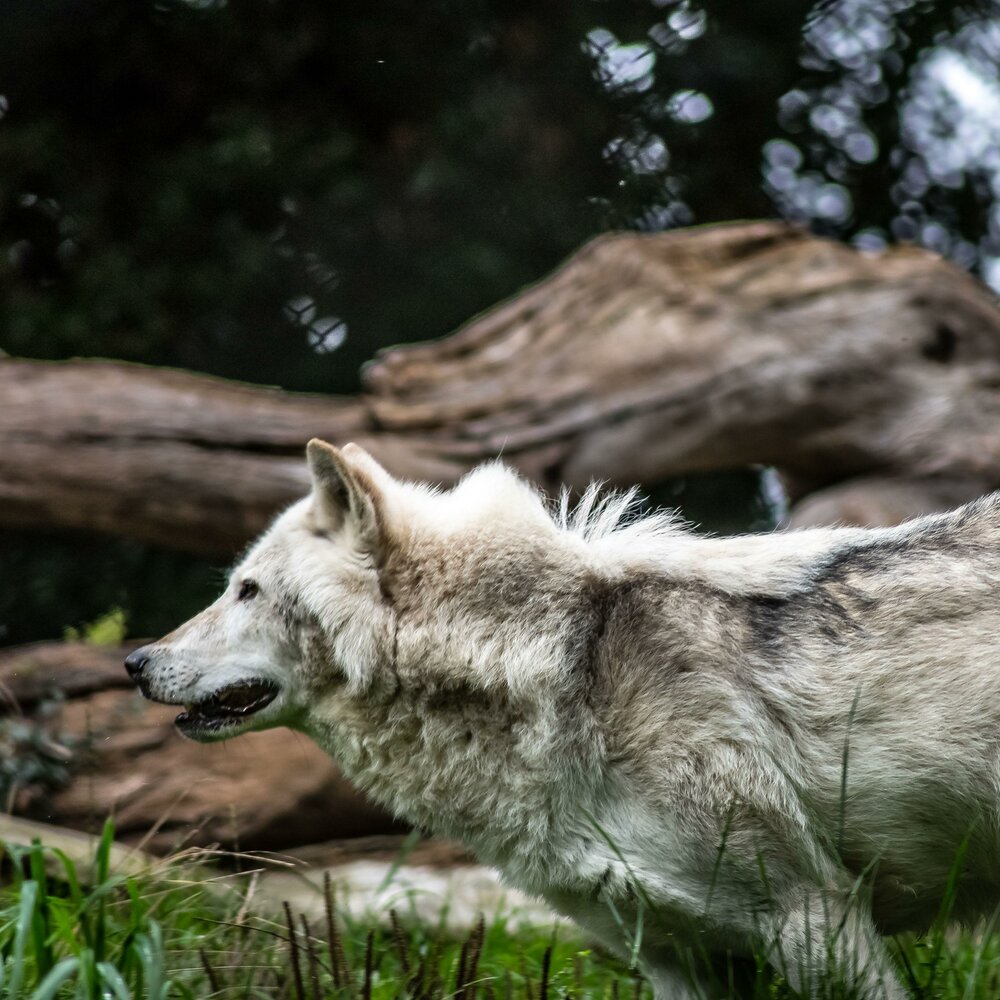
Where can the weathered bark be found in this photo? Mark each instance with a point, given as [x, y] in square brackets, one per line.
[644, 356]
[185, 460]
[122, 757]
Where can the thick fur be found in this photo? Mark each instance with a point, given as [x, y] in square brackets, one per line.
[782, 742]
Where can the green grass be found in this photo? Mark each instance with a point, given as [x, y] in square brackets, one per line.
[170, 935]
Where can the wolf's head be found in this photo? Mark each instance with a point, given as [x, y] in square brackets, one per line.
[312, 580]
[316, 605]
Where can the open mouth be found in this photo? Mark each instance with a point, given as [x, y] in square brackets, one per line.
[226, 707]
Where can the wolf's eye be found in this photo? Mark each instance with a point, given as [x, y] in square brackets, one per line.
[248, 590]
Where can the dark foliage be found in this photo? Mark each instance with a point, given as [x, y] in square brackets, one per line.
[273, 191]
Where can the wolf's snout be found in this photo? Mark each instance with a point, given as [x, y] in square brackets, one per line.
[136, 661]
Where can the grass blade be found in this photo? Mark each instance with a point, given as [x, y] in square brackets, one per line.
[411, 841]
[150, 949]
[293, 945]
[26, 912]
[112, 978]
[40, 918]
[57, 975]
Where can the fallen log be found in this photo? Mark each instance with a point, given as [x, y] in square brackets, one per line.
[116, 754]
[644, 356]
[80, 849]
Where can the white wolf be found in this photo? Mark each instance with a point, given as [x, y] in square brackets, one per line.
[778, 742]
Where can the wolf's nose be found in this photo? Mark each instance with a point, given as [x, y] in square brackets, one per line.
[135, 662]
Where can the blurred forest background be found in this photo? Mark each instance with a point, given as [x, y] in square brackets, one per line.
[273, 191]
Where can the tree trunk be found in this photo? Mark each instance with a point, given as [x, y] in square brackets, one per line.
[644, 356]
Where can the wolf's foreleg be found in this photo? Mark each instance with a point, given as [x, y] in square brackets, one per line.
[826, 938]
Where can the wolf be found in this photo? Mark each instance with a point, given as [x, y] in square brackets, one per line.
[700, 749]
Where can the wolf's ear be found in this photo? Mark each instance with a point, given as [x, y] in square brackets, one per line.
[346, 490]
